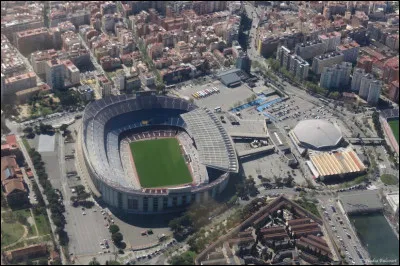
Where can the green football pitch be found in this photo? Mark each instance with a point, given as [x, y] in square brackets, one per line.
[159, 163]
[394, 125]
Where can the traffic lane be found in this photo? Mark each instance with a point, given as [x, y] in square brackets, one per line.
[347, 243]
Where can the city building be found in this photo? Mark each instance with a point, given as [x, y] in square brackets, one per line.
[292, 62]
[20, 82]
[243, 62]
[358, 73]
[391, 70]
[374, 92]
[394, 91]
[365, 62]
[23, 96]
[310, 49]
[104, 84]
[28, 252]
[33, 40]
[326, 60]
[55, 73]
[12, 181]
[350, 51]
[336, 77]
[370, 89]
[72, 73]
[331, 40]
[86, 92]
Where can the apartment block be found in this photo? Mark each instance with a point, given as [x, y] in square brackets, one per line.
[336, 77]
[331, 40]
[326, 60]
[350, 51]
[308, 50]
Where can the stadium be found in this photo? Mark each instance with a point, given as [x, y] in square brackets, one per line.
[148, 153]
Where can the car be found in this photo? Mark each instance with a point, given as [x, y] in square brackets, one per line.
[83, 213]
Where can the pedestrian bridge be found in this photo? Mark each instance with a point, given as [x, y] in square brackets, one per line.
[365, 140]
[248, 135]
[255, 151]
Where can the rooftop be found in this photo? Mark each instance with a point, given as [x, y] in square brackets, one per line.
[318, 133]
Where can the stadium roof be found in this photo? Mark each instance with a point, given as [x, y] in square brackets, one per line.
[213, 143]
[337, 163]
[317, 133]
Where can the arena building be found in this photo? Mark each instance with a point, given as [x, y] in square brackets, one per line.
[316, 134]
[195, 163]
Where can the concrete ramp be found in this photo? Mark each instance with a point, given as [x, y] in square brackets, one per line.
[248, 135]
[255, 151]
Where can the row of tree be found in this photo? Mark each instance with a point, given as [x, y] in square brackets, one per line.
[55, 202]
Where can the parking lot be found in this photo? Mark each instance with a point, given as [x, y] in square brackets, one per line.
[53, 119]
[225, 98]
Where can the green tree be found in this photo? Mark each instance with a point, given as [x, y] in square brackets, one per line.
[186, 258]
[117, 237]
[94, 262]
[114, 229]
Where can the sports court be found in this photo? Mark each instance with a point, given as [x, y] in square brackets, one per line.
[160, 163]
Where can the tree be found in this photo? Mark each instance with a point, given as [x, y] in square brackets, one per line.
[186, 258]
[63, 127]
[114, 229]
[94, 262]
[117, 237]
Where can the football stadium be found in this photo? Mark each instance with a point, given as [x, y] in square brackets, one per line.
[147, 153]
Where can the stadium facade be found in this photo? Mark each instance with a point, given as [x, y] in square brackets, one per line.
[110, 124]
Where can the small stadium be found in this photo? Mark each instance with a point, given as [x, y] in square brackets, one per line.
[148, 153]
[390, 124]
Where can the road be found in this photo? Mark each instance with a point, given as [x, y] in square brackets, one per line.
[95, 64]
[349, 246]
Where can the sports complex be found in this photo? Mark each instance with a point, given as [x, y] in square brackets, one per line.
[147, 153]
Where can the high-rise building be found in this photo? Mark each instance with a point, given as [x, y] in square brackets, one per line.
[374, 92]
[326, 60]
[299, 67]
[336, 77]
[243, 62]
[358, 73]
[292, 62]
[370, 89]
[307, 50]
[331, 40]
[55, 73]
[350, 51]
[283, 56]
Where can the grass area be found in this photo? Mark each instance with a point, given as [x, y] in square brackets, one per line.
[26, 143]
[356, 181]
[31, 228]
[309, 206]
[394, 125]
[389, 179]
[10, 233]
[42, 225]
[160, 163]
